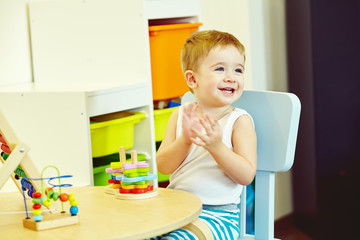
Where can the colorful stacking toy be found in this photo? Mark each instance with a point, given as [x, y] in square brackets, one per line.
[130, 177]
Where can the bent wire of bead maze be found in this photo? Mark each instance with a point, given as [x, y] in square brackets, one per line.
[45, 198]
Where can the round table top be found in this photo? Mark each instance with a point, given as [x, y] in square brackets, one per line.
[103, 216]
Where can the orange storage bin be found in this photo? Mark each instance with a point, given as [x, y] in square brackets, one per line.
[166, 42]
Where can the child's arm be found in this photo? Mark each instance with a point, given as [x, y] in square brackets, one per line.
[240, 164]
[172, 151]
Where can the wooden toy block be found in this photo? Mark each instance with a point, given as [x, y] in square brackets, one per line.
[136, 183]
[137, 165]
[135, 186]
[113, 170]
[113, 181]
[137, 190]
[116, 165]
[136, 172]
[135, 179]
[133, 196]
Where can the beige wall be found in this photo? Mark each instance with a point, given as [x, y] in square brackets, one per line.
[258, 24]
[15, 64]
[231, 16]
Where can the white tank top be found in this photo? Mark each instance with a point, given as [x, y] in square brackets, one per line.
[199, 172]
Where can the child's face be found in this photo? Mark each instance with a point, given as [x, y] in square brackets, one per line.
[220, 77]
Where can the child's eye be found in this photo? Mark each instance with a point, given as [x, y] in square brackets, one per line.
[219, 69]
[239, 70]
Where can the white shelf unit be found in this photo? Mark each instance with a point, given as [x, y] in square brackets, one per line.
[54, 122]
[173, 11]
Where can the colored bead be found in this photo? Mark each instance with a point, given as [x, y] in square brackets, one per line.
[50, 193]
[2, 139]
[37, 206]
[38, 218]
[74, 210]
[55, 196]
[30, 193]
[5, 148]
[37, 211]
[74, 203]
[5, 156]
[47, 202]
[36, 200]
[64, 197]
[71, 197]
[36, 195]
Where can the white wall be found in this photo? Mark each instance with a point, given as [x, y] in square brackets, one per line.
[277, 81]
[230, 16]
[15, 64]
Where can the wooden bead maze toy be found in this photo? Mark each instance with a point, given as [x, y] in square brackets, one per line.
[130, 180]
[45, 198]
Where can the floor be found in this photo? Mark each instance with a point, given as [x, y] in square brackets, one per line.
[284, 229]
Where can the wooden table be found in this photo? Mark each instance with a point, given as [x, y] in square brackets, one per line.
[102, 216]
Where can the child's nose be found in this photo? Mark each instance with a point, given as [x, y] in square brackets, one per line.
[229, 78]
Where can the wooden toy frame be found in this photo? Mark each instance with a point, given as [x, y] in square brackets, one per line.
[17, 157]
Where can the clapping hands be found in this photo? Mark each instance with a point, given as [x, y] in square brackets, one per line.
[199, 128]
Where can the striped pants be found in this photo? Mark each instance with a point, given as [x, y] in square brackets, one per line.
[223, 223]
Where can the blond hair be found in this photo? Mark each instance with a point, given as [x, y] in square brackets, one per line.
[199, 44]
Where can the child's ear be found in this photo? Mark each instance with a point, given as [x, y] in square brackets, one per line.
[190, 79]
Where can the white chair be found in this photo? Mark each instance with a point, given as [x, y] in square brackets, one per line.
[276, 117]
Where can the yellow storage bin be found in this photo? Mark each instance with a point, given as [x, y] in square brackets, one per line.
[110, 131]
[161, 118]
[166, 42]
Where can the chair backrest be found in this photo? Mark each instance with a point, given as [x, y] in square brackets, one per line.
[276, 116]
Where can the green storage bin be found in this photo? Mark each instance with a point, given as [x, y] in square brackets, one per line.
[162, 177]
[161, 118]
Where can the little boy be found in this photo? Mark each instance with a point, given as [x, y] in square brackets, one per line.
[209, 147]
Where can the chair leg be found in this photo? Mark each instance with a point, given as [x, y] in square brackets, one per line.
[264, 205]
[242, 219]
[200, 229]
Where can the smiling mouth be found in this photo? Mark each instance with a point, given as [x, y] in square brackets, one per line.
[227, 90]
